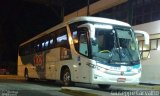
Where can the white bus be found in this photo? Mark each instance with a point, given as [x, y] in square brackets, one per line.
[85, 49]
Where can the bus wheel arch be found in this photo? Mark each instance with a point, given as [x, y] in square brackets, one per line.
[65, 76]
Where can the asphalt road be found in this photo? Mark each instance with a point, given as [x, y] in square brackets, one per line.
[24, 88]
[118, 90]
[44, 88]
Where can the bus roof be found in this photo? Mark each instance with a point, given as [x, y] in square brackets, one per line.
[98, 19]
[78, 19]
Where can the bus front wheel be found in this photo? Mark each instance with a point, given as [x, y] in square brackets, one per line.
[66, 77]
[103, 86]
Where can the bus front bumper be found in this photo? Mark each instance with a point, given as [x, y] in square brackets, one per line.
[104, 78]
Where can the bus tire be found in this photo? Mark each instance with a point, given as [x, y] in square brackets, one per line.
[66, 77]
[103, 86]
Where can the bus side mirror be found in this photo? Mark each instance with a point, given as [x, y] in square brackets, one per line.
[145, 34]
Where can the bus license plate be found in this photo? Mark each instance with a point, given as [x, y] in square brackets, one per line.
[121, 79]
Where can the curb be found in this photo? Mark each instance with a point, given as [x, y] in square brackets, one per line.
[11, 77]
[77, 91]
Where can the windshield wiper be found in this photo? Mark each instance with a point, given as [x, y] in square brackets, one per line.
[118, 44]
[130, 55]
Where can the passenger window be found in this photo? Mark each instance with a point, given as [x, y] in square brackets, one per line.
[43, 45]
[46, 44]
[62, 39]
[51, 42]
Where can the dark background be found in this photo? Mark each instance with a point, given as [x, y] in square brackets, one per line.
[23, 19]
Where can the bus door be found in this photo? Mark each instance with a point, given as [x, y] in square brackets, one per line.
[82, 60]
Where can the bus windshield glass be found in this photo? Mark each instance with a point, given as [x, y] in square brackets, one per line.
[116, 45]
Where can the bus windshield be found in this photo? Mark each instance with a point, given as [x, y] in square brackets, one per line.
[115, 45]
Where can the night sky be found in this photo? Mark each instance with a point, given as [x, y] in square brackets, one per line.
[21, 20]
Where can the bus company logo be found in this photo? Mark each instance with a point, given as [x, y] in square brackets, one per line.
[38, 60]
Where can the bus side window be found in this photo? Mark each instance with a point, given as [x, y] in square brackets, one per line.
[46, 44]
[75, 39]
[51, 40]
[43, 45]
[51, 44]
[83, 49]
[82, 46]
[62, 38]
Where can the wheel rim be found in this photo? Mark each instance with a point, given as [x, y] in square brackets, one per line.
[66, 78]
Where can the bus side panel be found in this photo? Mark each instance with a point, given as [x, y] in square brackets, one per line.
[56, 59]
[52, 58]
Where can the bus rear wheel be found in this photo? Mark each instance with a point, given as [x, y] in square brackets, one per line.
[103, 86]
[66, 77]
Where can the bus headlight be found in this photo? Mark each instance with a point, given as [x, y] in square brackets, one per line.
[136, 70]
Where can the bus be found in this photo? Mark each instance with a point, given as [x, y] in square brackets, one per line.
[84, 49]
[150, 54]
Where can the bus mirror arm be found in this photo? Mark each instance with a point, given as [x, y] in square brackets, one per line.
[145, 34]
